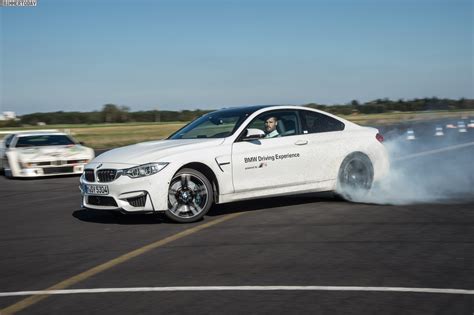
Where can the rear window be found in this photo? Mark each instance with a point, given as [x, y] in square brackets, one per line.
[43, 140]
[314, 122]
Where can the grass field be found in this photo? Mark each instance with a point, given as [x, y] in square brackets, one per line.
[102, 136]
[397, 117]
[112, 135]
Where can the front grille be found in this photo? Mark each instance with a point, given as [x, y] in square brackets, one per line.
[137, 201]
[58, 170]
[106, 175]
[58, 162]
[76, 161]
[89, 175]
[101, 201]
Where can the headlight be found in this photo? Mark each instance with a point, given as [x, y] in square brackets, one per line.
[26, 164]
[144, 170]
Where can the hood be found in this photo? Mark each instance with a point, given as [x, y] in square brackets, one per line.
[154, 151]
[51, 153]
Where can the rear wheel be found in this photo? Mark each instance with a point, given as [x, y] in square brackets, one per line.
[355, 176]
[190, 196]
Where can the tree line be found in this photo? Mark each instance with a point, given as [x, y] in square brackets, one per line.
[386, 105]
[112, 113]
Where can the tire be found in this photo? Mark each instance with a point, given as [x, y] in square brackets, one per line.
[190, 196]
[356, 176]
[7, 172]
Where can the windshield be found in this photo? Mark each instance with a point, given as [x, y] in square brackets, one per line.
[218, 124]
[43, 140]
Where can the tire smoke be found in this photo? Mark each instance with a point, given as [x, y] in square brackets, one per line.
[427, 169]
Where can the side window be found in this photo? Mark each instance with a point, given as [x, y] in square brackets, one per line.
[280, 123]
[8, 141]
[314, 122]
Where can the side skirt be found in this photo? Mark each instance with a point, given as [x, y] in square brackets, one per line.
[328, 185]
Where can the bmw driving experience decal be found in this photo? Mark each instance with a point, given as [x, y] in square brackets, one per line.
[264, 160]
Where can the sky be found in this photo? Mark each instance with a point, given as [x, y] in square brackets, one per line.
[75, 55]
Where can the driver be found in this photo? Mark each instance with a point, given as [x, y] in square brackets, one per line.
[270, 127]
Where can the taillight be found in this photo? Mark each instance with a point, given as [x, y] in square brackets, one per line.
[379, 137]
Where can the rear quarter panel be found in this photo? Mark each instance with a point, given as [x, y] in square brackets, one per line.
[363, 140]
[336, 146]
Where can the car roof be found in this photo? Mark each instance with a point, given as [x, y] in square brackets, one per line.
[39, 133]
[247, 109]
[250, 109]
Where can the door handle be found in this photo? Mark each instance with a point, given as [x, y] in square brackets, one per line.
[301, 142]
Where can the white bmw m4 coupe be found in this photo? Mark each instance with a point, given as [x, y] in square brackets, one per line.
[236, 154]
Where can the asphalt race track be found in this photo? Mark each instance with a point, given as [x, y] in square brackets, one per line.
[325, 255]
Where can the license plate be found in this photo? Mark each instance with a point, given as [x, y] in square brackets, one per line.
[97, 189]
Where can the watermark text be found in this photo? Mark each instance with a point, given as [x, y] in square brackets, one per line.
[18, 3]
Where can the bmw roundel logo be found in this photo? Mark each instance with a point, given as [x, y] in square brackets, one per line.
[99, 166]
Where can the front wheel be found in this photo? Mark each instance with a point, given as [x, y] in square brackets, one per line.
[190, 196]
[6, 170]
[355, 176]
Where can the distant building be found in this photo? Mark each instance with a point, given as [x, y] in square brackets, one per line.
[8, 116]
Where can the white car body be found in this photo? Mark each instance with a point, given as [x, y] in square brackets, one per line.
[42, 160]
[238, 169]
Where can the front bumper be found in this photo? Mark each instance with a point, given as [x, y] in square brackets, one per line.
[50, 171]
[143, 194]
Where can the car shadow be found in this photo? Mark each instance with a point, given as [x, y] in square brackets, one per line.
[269, 203]
[111, 217]
[114, 217]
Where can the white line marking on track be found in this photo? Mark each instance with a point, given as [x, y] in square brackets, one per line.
[240, 288]
[452, 147]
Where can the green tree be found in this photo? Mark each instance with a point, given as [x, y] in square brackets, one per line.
[113, 114]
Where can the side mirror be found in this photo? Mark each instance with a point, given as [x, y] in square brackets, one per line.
[253, 134]
[81, 143]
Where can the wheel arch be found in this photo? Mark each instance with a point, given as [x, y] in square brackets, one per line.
[356, 153]
[206, 171]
